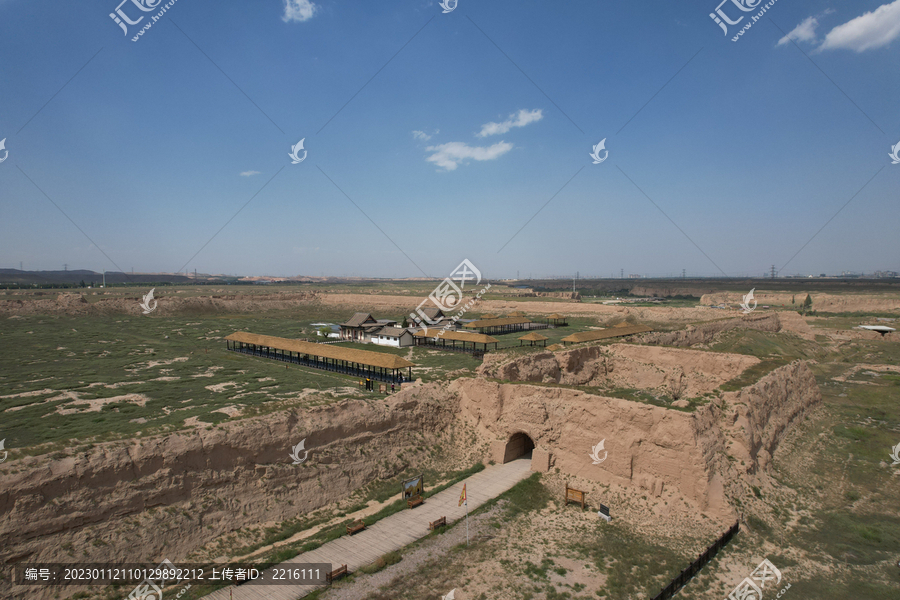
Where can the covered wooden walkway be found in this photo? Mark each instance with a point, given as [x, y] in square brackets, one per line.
[504, 325]
[460, 341]
[380, 366]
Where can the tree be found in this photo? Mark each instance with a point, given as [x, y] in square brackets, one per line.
[792, 299]
[807, 304]
[324, 331]
[405, 323]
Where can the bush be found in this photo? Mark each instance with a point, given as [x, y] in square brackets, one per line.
[391, 558]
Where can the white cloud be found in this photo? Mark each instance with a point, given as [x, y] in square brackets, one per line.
[450, 155]
[804, 32]
[249, 173]
[421, 135]
[521, 119]
[298, 10]
[874, 29]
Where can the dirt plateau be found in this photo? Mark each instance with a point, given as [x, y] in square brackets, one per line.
[169, 495]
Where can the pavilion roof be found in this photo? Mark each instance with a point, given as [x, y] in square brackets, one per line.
[333, 351]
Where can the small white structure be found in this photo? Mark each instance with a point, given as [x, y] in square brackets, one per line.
[397, 337]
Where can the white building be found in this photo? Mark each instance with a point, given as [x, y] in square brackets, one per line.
[392, 336]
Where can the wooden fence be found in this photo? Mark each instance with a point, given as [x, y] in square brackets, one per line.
[676, 584]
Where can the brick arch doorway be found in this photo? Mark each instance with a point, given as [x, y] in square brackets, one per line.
[519, 445]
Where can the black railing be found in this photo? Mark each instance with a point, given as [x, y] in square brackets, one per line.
[324, 365]
[676, 584]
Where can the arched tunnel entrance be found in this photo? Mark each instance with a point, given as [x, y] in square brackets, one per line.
[519, 445]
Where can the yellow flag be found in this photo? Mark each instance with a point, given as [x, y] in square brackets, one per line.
[462, 496]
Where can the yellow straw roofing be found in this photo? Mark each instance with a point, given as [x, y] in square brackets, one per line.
[489, 316]
[332, 351]
[556, 316]
[589, 336]
[459, 336]
[534, 337]
[517, 313]
[497, 322]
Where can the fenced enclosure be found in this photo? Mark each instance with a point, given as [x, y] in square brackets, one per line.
[676, 584]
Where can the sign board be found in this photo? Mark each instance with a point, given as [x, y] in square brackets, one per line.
[413, 487]
[573, 495]
[604, 512]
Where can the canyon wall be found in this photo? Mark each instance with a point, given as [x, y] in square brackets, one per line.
[169, 495]
[140, 500]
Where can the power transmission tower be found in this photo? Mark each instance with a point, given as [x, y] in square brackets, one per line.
[773, 271]
[683, 273]
[66, 267]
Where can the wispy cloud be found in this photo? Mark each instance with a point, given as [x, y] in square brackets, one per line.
[298, 10]
[450, 155]
[520, 119]
[874, 29]
[421, 135]
[249, 173]
[804, 32]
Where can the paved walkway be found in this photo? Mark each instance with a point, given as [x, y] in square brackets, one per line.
[389, 534]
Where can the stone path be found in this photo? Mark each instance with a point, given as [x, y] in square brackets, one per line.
[389, 534]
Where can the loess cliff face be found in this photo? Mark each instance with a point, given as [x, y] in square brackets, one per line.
[703, 457]
[820, 302]
[77, 304]
[675, 372]
[169, 495]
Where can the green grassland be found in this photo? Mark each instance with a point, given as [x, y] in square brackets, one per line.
[177, 366]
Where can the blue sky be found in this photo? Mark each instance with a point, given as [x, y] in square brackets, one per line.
[450, 132]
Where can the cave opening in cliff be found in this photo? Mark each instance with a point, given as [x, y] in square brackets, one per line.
[519, 445]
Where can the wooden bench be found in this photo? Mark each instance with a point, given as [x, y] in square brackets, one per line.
[355, 527]
[332, 575]
[442, 522]
[414, 501]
